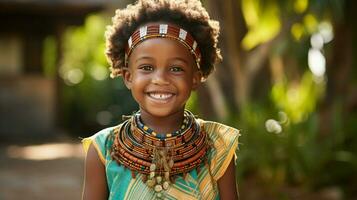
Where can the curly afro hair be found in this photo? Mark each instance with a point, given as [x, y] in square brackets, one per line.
[188, 14]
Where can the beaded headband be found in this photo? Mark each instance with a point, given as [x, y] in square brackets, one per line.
[165, 31]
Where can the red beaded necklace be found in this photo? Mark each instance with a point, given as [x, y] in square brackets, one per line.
[160, 160]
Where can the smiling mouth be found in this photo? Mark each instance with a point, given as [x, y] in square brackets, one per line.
[160, 95]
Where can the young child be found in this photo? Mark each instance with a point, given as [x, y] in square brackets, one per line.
[163, 49]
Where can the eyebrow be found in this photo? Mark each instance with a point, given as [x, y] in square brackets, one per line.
[180, 59]
[143, 58]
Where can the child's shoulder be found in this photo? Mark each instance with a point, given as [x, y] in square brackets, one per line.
[104, 133]
[224, 140]
[212, 127]
[101, 140]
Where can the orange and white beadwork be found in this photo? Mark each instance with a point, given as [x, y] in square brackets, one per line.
[166, 31]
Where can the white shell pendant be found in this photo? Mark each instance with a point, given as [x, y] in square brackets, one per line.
[158, 188]
[166, 185]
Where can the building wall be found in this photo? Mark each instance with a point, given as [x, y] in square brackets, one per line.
[27, 107]
[26, 99]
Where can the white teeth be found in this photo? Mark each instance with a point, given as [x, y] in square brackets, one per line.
[161, 96]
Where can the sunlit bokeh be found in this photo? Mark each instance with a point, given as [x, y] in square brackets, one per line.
[316, 62]
[273, 126]
[316, 59]
[300, 5]
[317, 41]
[263, 22]
[45, 151]
[297, 31]
[326, 31]
[74, 76]
[310, 23]
[99, 73]
[104, 117]
[283, 117]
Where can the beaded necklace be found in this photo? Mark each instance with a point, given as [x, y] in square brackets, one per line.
[160, 157]
[185, 125]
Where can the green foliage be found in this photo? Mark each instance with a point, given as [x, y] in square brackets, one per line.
[303, 154]
[49, 57]
[192, 103]
[262, 20]
[91, 100]
[298, 156]
[298, 100]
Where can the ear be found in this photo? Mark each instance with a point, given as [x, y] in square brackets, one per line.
[197, 76]
[127, 77]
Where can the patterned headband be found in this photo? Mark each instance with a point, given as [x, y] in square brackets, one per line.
[165, 31]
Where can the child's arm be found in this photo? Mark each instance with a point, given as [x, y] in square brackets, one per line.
[227, 184]
[95, 183]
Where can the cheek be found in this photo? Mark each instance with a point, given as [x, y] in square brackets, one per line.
[186, 86]
[138, 85]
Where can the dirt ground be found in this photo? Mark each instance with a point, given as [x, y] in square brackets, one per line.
[51, 170]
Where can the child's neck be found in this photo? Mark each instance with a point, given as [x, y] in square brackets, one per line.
[165, 124]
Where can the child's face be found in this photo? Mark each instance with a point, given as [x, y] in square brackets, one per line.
[161, 75]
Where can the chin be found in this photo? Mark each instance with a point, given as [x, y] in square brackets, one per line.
[161, 112]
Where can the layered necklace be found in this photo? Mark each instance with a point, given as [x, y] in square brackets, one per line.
[160, 157]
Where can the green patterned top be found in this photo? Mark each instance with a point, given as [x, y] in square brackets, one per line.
[202, 185]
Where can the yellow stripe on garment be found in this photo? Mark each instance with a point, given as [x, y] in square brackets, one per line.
[206, 185]
[138, 190]
[86, 142]
[227, 161]
[225, 140]
[178, 194]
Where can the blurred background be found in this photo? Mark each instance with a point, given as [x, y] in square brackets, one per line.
[288, 82]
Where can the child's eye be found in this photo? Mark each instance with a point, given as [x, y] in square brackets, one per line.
[176, 69]
[146, 68]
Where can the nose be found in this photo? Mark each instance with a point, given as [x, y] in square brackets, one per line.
[160, 78]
